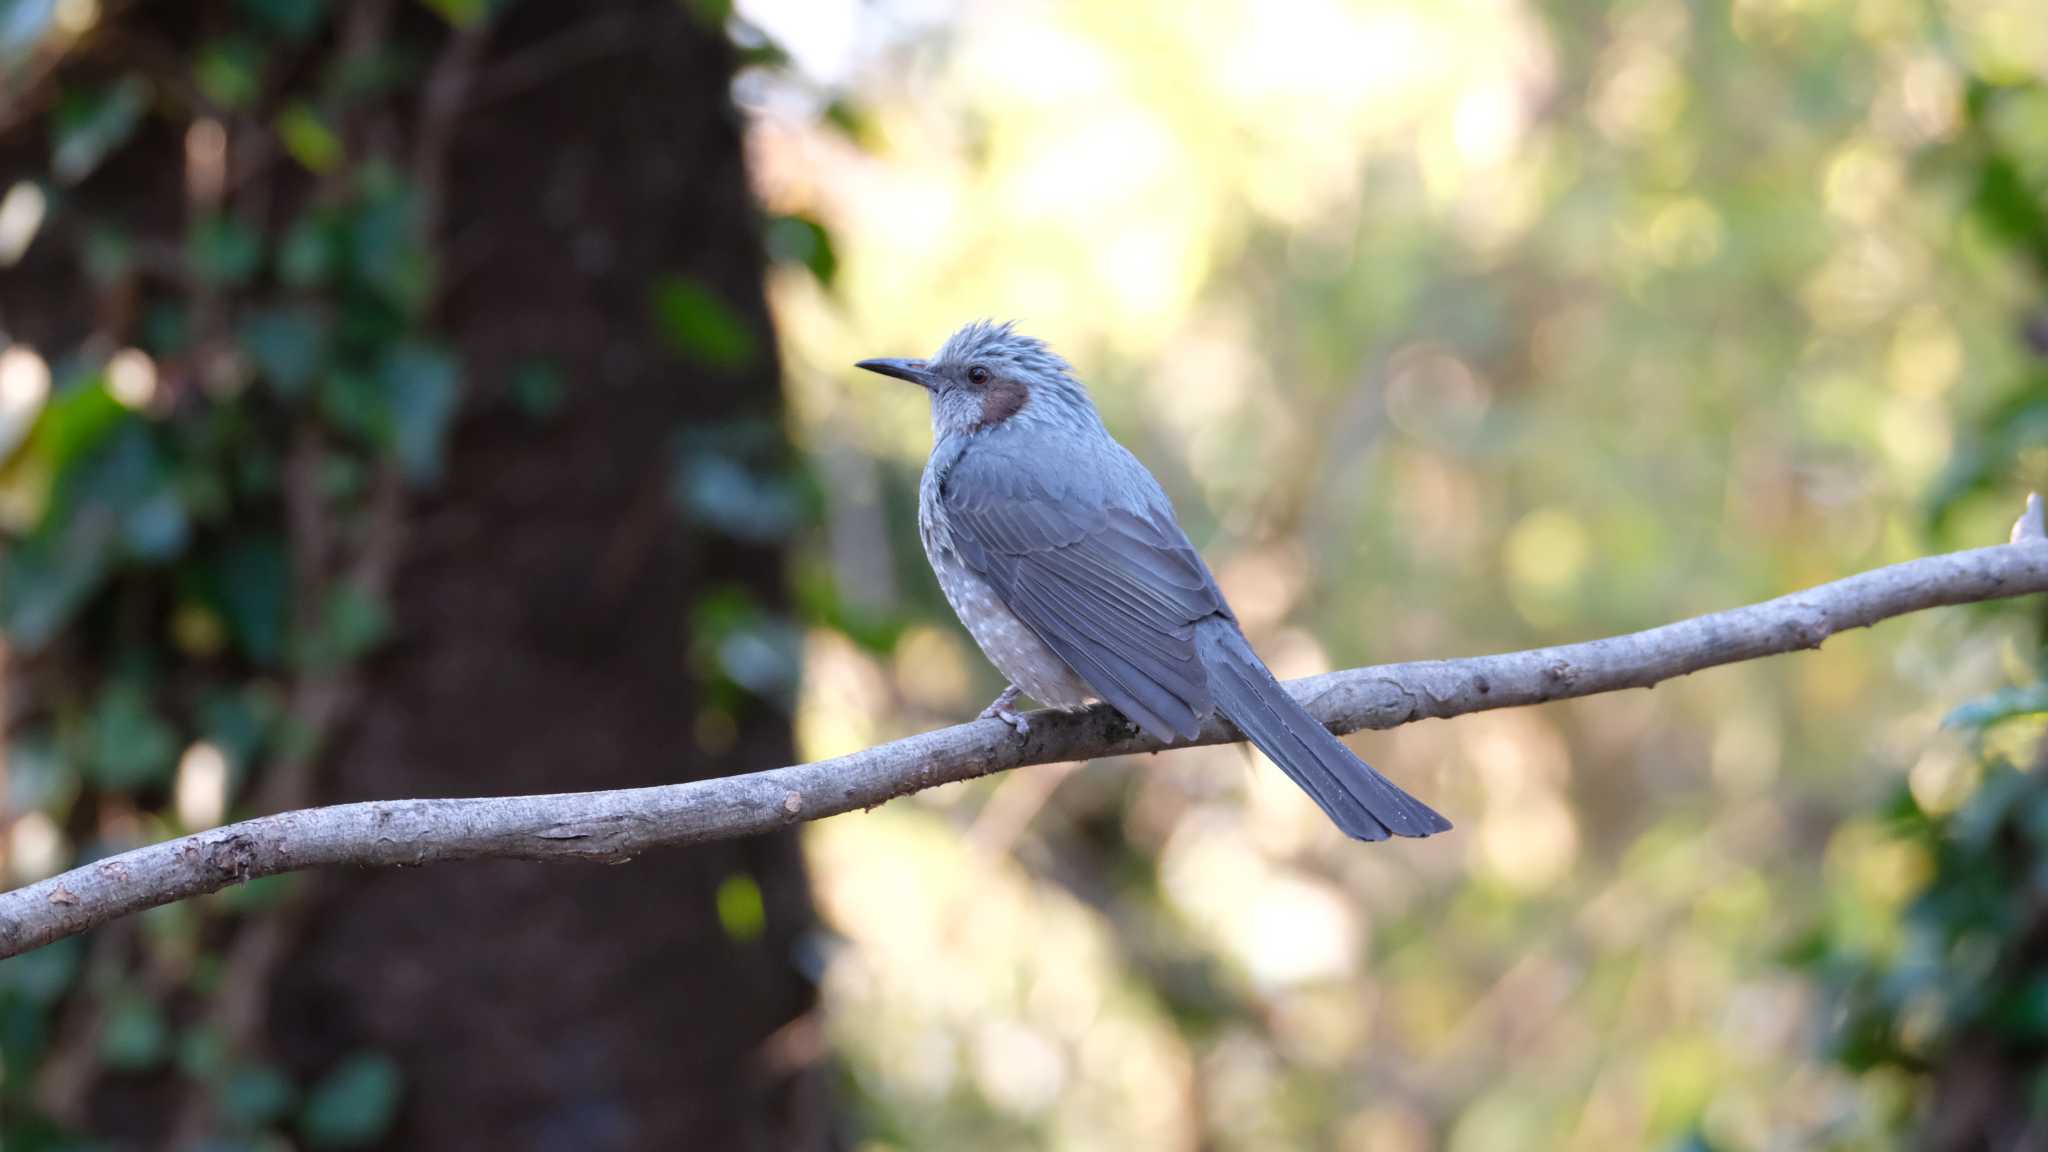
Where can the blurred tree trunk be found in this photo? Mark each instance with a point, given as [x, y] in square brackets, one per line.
[543, 625]
[544, 613]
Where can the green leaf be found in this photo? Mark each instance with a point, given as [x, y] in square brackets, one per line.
[41, 976]
[166, 328]
[2037, 1094]
[157, 529]
[384, 249]
[130, 745]
[2010, 704]
[342, 478]
[746, 647]
[848, 119]
[356, 620]
[287, 345]
[701, 326]
[110, 496]
[73, 423]
[741, 911]
[239, 722]
[460, 13]
[201, 1049]
[821, 600]
[354, 1104]
[802, 240]
[257, 1096]
[306, 257]
[134, 1038]
[252, 578]
[223, 251]
[38, 779]
[2011, 209]
[537, 390]
[229, 72]
[45, 581]
[109, 254]
[259, 895]
[422, 384]
[128, 479]
[89, 125]
[367, 75]
[711, 14]
[735, 478]
[356, 404]
[2023, 1010]
[308, 138]
[756, 49]
[353, 621]
[290, 19]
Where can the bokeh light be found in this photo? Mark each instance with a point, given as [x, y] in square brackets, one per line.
[1451, 328]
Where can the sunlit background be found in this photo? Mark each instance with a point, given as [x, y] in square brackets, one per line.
[1452, 327]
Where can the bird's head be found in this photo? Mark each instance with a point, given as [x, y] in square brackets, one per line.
[988, 376]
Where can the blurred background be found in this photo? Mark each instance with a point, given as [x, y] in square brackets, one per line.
[454, 398]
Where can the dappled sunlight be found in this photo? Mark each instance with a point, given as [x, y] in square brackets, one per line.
[845, 697]
[989, 976]
[199, 790]
[1450, 328]
[24, 385]
[931, 668]
[21, 217]
[131, 378]
[36, 848]
[1281, 925]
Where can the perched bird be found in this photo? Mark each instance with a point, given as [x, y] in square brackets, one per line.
[1063, 557]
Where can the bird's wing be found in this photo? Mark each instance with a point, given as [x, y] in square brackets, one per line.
[1113, 587]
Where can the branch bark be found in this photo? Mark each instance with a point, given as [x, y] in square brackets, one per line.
[616, 825]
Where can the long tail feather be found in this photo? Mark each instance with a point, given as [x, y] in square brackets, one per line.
[1363, 803]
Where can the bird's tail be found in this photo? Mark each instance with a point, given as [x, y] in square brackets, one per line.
[1362, 802]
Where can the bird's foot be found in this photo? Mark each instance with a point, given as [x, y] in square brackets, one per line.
[1000, 709]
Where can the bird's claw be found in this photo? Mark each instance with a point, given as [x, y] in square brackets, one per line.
[1015, 720]
[999, 709]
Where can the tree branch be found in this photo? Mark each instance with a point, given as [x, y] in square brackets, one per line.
[617, 825]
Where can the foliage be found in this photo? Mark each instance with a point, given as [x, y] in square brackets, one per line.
[1450, 327]
[204, 456]
[1953, 1005]
[194, 514]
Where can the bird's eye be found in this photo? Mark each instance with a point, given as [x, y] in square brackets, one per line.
[977, 375]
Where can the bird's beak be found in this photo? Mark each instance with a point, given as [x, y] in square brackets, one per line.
[911, 370]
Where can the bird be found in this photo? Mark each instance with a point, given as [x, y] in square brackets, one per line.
[1064, 559]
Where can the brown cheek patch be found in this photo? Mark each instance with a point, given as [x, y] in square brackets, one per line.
[1002, 400]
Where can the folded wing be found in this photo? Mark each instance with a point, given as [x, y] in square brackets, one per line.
[1112, 586]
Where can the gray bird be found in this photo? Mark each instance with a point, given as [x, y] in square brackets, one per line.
[1063, 557]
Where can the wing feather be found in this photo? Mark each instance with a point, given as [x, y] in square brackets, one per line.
[1113, 587]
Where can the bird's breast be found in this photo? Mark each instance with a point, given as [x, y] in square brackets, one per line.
[1008, 642]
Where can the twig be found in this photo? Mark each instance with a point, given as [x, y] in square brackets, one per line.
[617, 825]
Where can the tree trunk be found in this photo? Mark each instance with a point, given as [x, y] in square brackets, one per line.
[545, 619]
[543, 624]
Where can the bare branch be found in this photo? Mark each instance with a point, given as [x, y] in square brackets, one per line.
[617, 825]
